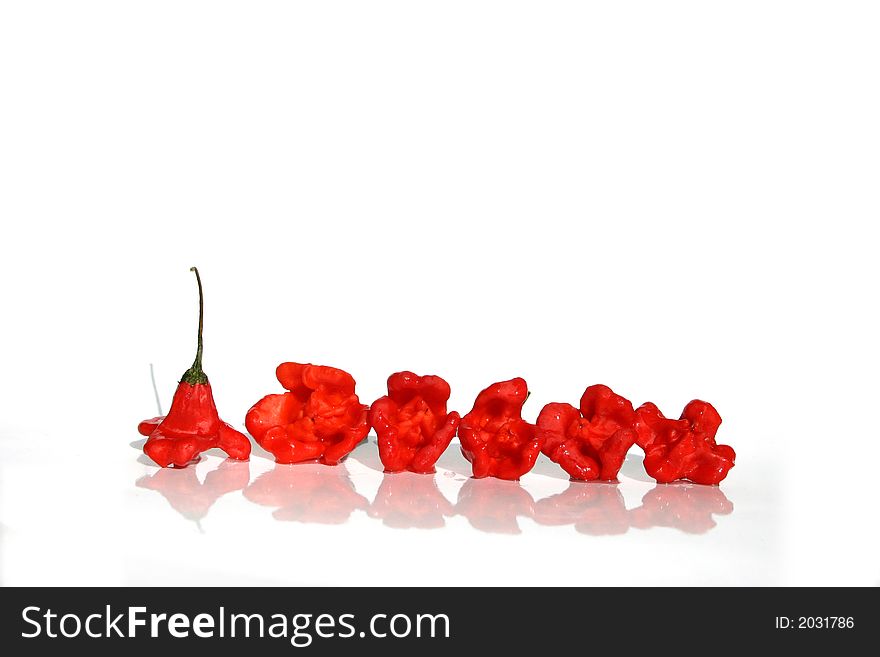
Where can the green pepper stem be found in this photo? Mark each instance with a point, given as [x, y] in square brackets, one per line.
[194, 375]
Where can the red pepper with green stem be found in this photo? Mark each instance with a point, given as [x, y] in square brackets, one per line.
[192, 425]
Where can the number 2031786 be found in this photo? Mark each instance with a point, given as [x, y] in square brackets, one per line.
[815, 623]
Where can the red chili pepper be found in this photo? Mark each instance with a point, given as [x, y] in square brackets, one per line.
[320, 418]
[591, 443]
[495, 438]
[683, 448]
[411, 422]
[192, 425]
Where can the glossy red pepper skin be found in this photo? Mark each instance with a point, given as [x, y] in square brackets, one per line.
[495, 438]
[590, 443]
[412, 424]
[320, 418]
[683, 448]
[192, 425]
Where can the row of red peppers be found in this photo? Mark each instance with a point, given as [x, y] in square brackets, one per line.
[321, 418]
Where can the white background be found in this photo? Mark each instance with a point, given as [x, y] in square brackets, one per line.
[676, 199]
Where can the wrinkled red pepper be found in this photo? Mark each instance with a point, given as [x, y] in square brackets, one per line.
[683, 448]
[495, 438]
[411, 422]
[319, 418]
[590, 443]
[192, 425]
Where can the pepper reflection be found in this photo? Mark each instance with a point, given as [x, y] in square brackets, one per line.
[494, 505]
[307, 492]
[595, 508]
[311, 492]
[187, 495]
[684, 506]
[406, 500]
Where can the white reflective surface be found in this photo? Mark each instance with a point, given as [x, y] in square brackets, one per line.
[259, 522]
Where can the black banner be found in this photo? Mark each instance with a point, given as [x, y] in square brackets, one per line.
[400, 620]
